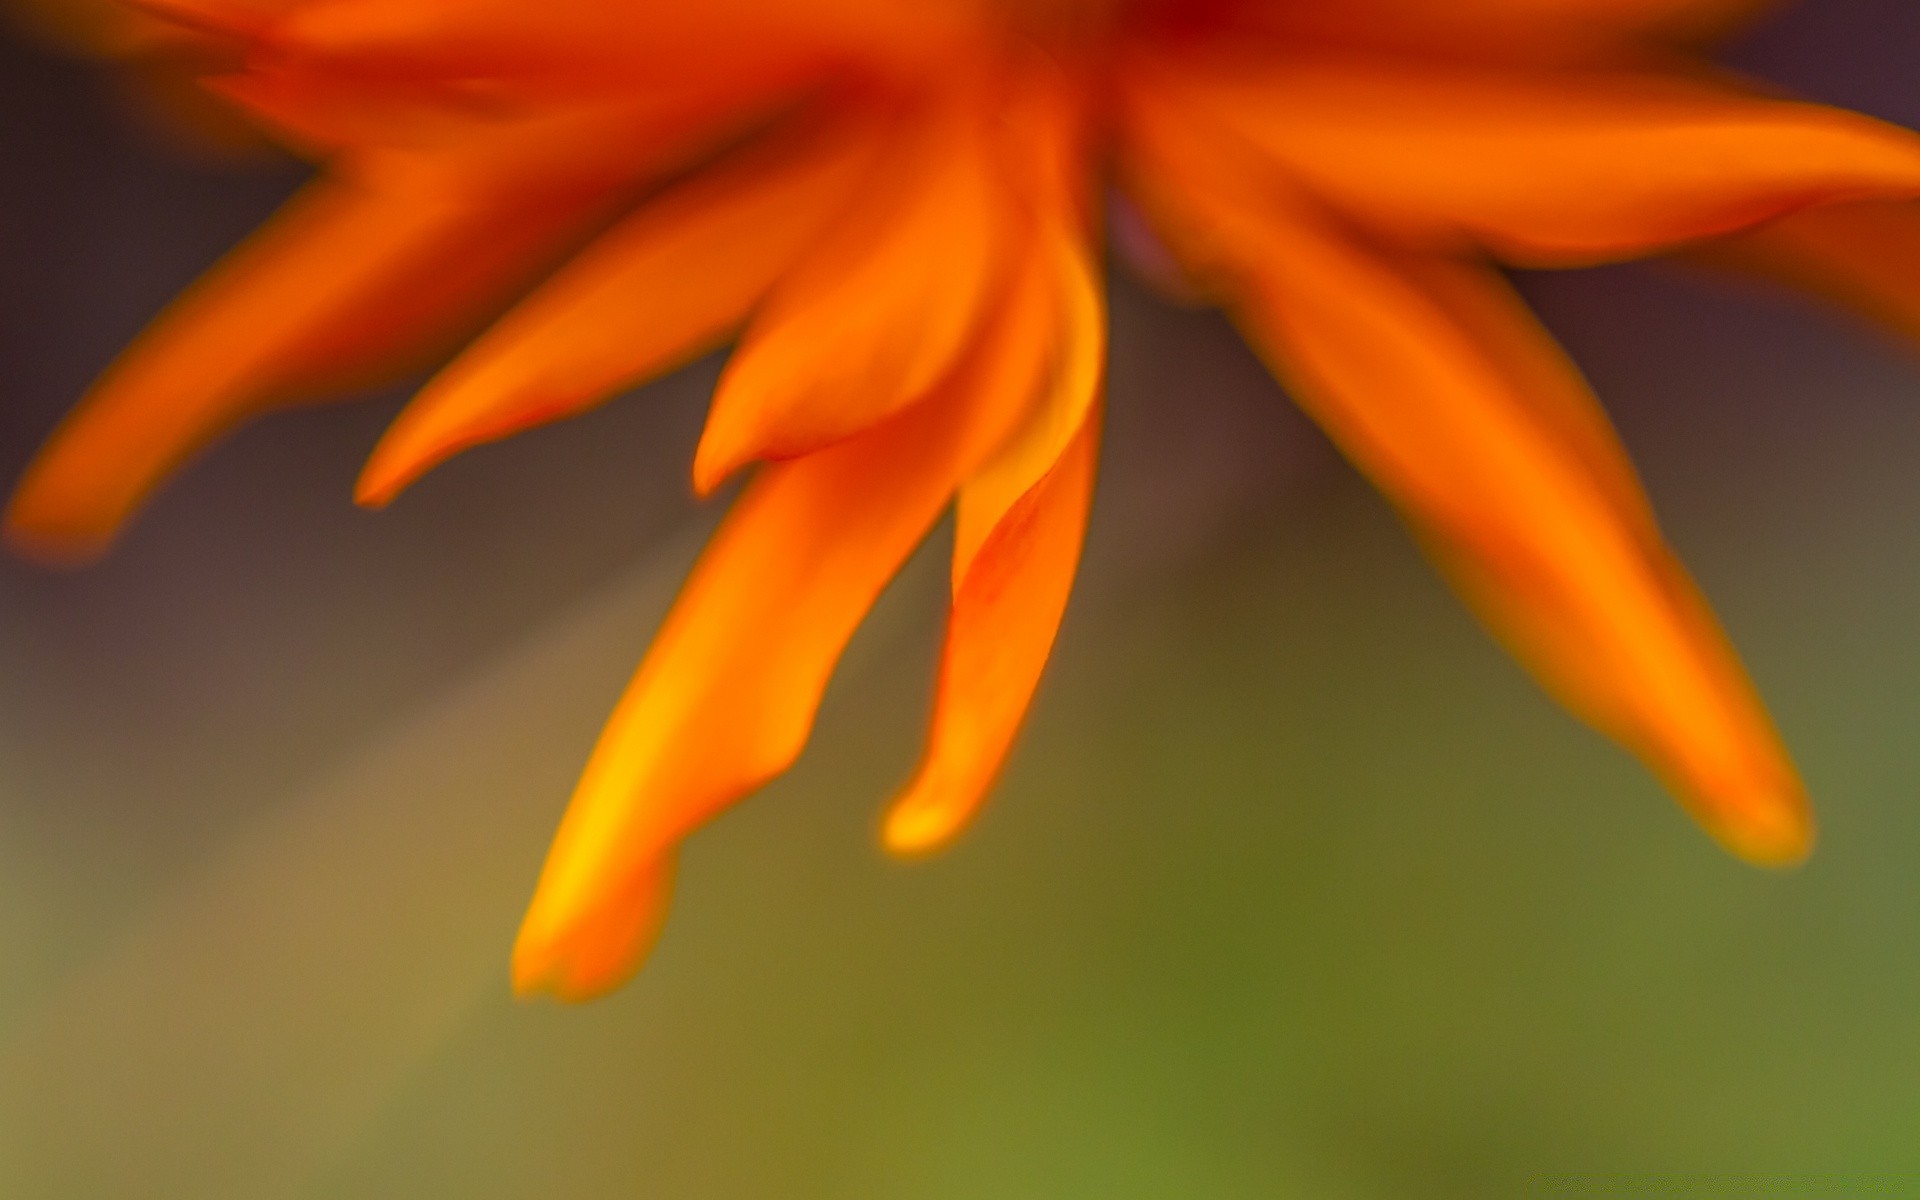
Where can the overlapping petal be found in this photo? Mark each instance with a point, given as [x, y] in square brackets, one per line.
[727, 694]
[873, 316]
[564, 47]
[1542, 167]
[1018, 526]
[351, 283]
[1076, 329]
[1865, 256]
[1007, 607]
[403, 250]
[1503, 463]
[666, 284]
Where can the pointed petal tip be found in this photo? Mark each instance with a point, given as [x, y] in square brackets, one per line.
[908, 836]
[381, 480]
[1763, 818]
[577, 949]
[413, 445]
[53, 535]
[1779, 835]
[715, 462]
[563, 969]
[467, 404]
[919, 823]
[537, 976]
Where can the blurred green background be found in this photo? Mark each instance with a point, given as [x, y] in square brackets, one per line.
[1296, 888]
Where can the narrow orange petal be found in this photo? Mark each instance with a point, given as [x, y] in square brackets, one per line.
[495, 138]
[1017, 533]
[1553, 545]
[583, 961]
[1541, 167]
[872, 318]
[1006, 611]
[727, 694]
[575, 45]
[1865, 256]
[1079, 315]
[662, 287]
[346, 286]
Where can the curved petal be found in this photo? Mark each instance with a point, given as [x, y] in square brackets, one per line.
[1077, 331]
[349, 284]
[575, 44]
[1542, 168]
[1865, 256]
[1534, 513]
[662, 287]
[405, 248]
[1007, 607]
[1018, 527]
[726, 696]
[469, 135]
[872, 318]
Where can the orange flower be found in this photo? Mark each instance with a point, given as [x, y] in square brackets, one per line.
[891, 204]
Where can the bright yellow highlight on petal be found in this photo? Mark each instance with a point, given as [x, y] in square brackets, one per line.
[892, 205]
[726, 697]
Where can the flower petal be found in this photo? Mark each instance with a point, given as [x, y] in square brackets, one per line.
[660, 288]
[470, 136]
[1540, 167]
[726, 696]
[591, 44]
[872, 318]
[1408, 361]
[1077, 329]
[349, 284]
[1865, 256]
[1007, 607]
[1017, 533]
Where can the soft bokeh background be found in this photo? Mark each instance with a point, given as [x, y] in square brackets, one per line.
[1296, 887]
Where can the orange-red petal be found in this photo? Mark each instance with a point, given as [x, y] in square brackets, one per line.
[1542, 167]
[663, 286]
[1007, 606]
[347, 285]
[1018, 525]
[571, 45]
[1517, 499]
[1865, 256]
[1076, 329]
[871, 318]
